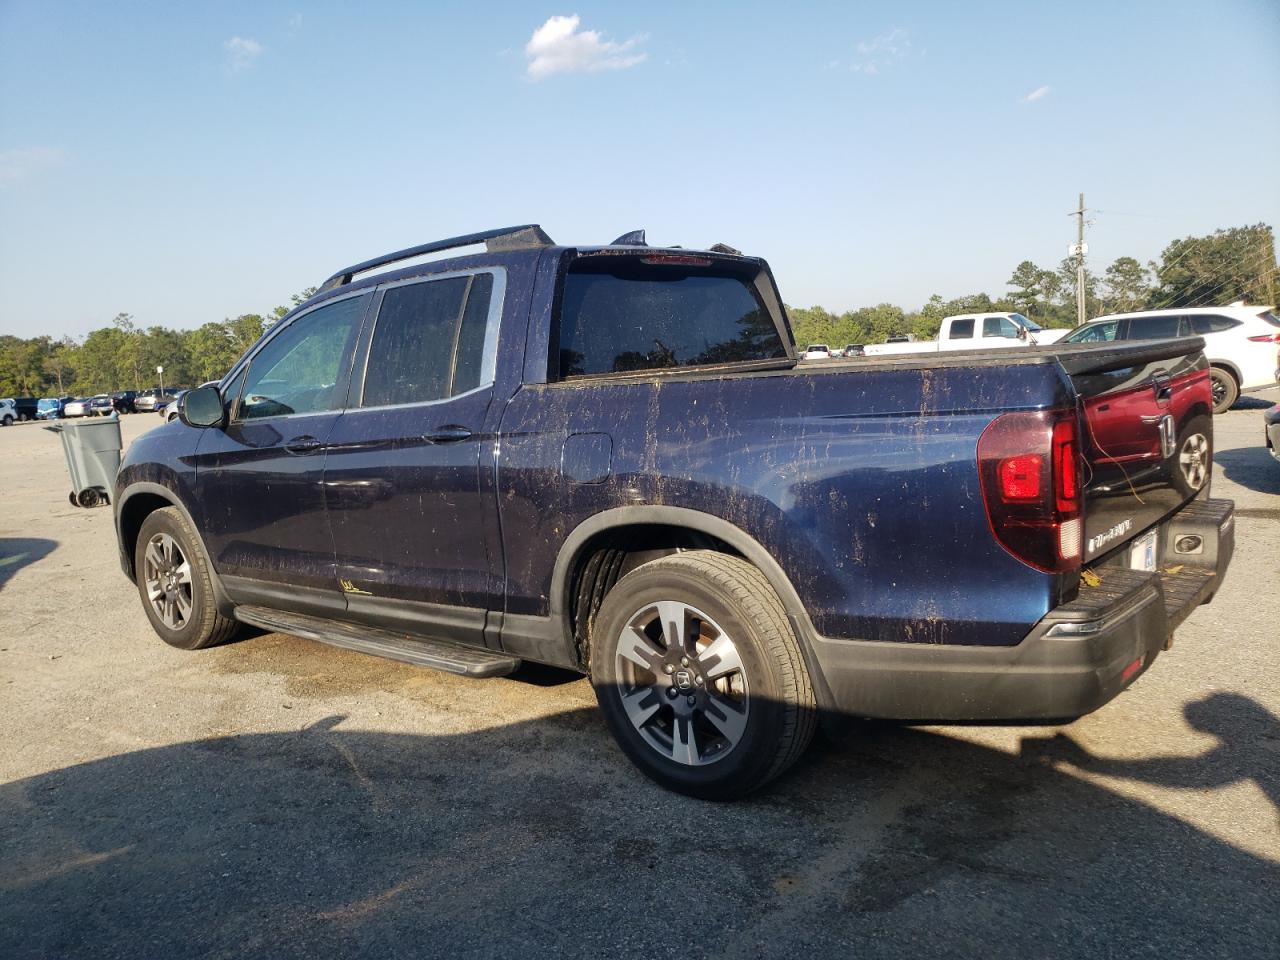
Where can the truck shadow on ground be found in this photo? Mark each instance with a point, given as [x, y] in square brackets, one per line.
[538, 839]
[1251, 467]
[19, 552]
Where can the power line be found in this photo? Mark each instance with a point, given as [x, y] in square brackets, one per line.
[1257, 260]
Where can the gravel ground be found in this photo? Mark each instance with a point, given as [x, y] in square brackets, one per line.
[281, 798]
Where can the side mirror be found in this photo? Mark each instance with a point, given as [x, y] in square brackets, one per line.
[1022, 333]
[201, 407]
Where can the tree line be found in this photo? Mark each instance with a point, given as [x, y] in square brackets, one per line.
[1221, 268]
[1225, 266]
[124, 356]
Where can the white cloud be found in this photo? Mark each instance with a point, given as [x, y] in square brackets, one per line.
[24, 162]
[1039, 93]
[879, 52]
[242, 51]
[558, 46]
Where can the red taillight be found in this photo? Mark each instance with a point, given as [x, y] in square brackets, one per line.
[1020, 477]
[1030, 468]
[1065, 465]
[1266, 338]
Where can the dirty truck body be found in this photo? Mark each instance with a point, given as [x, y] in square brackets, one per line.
[977, 536]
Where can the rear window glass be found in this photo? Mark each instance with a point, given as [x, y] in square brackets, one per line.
[622, 315]
[1212, 323]
[1270, 317]
[961, 329]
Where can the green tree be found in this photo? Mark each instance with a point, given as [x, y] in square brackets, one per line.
[129, 359]
[1067, 293]
[1028, 279]
[1225, 266]
[1127, 286]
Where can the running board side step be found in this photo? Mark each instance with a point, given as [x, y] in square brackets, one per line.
[436, 654]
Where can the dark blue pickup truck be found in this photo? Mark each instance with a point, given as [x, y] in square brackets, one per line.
[609, 459]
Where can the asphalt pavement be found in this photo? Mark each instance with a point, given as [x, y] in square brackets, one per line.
[280, 798]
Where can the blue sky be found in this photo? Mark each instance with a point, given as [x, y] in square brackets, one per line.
[188, 162]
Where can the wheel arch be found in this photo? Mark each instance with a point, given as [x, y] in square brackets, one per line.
[726, 537]
[1229, 367]
[680, 519]
[138, 502]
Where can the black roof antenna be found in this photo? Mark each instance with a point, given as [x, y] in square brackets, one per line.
[633, 239]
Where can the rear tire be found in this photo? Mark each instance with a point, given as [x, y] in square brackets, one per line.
[1225, 389]
[700, 677]
[1193, 457]
[174, 584]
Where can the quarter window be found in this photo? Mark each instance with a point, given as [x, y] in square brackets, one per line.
[298, 370]
[961, 329]
[429, 341]
[1202, 323]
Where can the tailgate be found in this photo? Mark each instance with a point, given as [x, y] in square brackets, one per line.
[1147, 434]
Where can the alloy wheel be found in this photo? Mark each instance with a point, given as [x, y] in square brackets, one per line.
[167, 574]
[682, 683]
[1193, 460]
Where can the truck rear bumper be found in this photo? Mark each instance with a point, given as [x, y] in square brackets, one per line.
[1080, 656]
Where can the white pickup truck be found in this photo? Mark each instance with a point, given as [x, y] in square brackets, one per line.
[976, 331]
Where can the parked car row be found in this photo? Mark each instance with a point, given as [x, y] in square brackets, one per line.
[23, 408]
[101, 404]
[1242, 343]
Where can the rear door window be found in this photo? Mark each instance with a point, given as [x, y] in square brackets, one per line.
[429, 342]
[620, 315]
[1153, 328]
[961, 329]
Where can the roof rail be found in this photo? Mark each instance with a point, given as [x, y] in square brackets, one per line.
[504, 238]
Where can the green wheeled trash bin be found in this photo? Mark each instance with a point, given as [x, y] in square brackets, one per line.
[92, 446]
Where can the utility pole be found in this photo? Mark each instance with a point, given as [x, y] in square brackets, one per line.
[1079, 251]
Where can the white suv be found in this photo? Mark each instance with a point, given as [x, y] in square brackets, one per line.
[1240, 342]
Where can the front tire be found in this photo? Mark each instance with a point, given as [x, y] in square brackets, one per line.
[1225, 389]
[174, 584]
[700, 676]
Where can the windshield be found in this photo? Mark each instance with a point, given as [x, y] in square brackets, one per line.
[1028, 323]
[47, 405]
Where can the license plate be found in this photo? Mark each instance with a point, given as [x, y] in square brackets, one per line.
[1142, 552]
